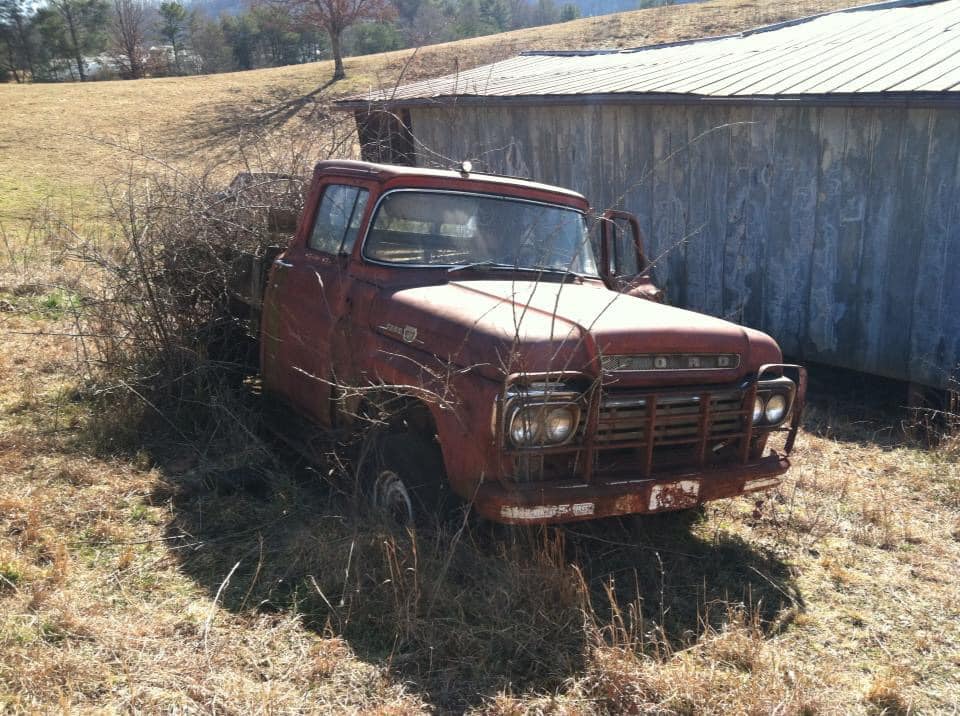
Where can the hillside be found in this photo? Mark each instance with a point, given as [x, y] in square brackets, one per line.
[175, 558]
[52, 136]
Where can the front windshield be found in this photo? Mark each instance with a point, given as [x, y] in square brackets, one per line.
[426, 228]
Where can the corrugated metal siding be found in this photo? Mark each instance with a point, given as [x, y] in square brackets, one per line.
[836, 230]
[869, 51]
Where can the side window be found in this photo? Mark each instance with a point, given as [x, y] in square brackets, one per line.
[353, 228]
[338, 218]
[624, 258]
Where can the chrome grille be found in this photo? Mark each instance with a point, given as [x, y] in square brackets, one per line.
[625, 419]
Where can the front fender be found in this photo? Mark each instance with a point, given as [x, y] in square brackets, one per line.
[462, 404]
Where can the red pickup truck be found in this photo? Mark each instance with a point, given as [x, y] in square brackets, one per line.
[510, 356]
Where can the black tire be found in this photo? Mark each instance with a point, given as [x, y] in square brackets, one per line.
[230, 351]
[403, 479]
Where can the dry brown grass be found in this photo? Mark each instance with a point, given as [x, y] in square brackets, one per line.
[95, 609]
[139, 575]
[114, 589]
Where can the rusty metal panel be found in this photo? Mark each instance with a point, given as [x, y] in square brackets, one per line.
[836, 230]
[858, 54]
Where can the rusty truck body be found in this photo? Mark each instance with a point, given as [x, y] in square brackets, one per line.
[531, 366]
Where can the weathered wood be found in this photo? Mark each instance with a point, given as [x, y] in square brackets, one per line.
[670, 178]
[635, 125]
[878, 238]
[701, 165]
[791, 226]
[900, 273]
[837, 230]
[950, 300]
[856, 164]
[822, 336]
[763, 157]
[738, 256]
[717, 139]
[929, 338]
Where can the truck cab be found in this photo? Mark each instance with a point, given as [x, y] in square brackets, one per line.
[514, 352]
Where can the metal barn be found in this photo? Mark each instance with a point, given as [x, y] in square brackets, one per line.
[801, 178]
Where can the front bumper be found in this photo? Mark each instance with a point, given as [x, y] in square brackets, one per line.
[644, 487]
[573, 501]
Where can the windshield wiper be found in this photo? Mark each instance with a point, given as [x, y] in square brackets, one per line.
[552, 270]
[489, 263]
[482, 264]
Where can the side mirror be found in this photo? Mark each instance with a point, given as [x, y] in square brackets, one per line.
[624, 265]
[621, 245]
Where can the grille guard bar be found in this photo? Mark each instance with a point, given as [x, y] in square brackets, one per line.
[799, 399]
[591, 445]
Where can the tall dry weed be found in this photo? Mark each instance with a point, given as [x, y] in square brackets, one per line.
[162, 331]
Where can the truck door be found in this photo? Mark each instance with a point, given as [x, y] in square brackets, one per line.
[308, 298]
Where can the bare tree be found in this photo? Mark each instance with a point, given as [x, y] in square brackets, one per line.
[127, 29]
[335, 16]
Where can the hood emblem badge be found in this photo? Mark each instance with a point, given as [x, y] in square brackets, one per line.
[407, 333]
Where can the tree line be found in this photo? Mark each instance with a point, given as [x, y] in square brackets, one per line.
[79, 40]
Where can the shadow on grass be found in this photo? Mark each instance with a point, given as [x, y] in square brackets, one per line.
[850, 406]
[462, 614]
[222, 123]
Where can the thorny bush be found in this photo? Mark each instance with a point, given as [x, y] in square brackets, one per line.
[163, 332]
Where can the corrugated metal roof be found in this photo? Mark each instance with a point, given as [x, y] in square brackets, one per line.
[888, 50]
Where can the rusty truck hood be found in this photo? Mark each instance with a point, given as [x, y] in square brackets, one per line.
[503, 327]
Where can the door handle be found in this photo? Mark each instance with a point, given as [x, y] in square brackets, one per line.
[282, 264]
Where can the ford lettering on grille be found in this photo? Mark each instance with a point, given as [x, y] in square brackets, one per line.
[670, 361]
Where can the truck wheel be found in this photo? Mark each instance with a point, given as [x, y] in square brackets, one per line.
[404, 479]
[230, 351]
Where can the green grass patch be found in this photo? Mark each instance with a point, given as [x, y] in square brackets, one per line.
[41, 302]
[10, 575]
[21, 196]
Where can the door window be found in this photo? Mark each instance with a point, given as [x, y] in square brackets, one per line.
[338, 219]
[624, 259]
[353, 228]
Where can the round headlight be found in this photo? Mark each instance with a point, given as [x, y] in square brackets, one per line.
[559, 424]
[776, 408]
[757, 410]
[525, 426]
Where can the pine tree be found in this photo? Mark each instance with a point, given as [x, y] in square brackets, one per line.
[174, 20]
[81, 31]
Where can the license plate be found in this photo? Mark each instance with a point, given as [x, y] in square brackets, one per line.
[675, 495]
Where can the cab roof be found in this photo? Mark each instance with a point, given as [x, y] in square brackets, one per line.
[388, 172]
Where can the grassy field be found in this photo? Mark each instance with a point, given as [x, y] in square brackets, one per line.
[141, 570]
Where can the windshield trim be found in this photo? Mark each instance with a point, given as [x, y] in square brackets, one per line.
[446, 267]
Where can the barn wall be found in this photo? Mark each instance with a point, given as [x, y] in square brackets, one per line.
[836, 230]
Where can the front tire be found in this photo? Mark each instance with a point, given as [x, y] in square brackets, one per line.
[390, 497]
[403, 479]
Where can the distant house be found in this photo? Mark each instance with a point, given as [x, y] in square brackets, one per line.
[802, 178]
[161, 59]
[96, 67]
